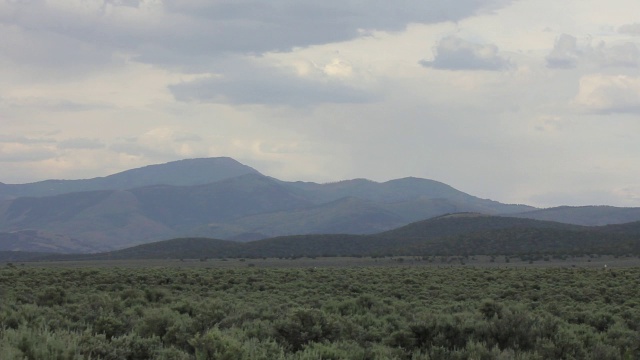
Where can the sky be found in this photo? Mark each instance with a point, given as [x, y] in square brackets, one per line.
[521, 101]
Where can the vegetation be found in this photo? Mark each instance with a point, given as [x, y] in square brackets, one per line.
[319, 313]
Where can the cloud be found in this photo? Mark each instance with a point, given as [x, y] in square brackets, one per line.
[606, 94]
[623, 55]
[20, 148]
[52, 105]
[453, 53]
[81, 144]
[24, 140]
[565, 53]
[633, 29]
[23, 149]
[42, 51]
[187, 33]
[162, 144]
[250, 83]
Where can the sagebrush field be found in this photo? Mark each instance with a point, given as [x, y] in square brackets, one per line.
[383, 312]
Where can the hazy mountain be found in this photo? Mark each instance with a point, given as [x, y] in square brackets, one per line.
[185, 207]
[102, 219]
[585, 215]
[464, 223]
[11, 256]
[348, 215]
[408, 189]
[179, 173]
[39, 241]
[116, 218]
[224, 199]
[451, 235]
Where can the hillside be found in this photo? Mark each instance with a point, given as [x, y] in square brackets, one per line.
[348, 215]
[585, 215]
[106, 220]
[451, 235]
[39, 242]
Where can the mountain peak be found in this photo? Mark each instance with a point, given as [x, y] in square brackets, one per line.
[188, 172]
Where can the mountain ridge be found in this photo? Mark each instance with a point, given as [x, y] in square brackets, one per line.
[222, 198]
[450, 235]
[181, 172]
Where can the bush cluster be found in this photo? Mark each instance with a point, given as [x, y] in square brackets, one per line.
[327, 313]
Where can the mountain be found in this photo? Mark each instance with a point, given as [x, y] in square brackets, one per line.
[221, 198]
[19, 256]
[179, 173]
[39, 242]
[450, 235]
[403, 190]
[349, 215]
[112, 219]
[464, 223]
[584, 215]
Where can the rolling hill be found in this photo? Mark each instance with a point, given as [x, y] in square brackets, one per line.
[450, 235]
[585, 215]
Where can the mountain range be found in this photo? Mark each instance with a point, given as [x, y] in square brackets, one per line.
[224, 199]
[462, 234]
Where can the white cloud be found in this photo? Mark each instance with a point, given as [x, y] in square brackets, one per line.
[606, 94]
[254, 83]
[453, 53]
[162, 144]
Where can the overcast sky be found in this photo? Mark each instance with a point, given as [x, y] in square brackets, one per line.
[529, 101]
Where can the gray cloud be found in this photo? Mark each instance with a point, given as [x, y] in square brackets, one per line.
[23, 140]
[251, 84]
[565, 53]
[22, 148]
[633, 29]
[186, 138]
[624, 55]
[27, 156]
[42, 51]
[81, 143]
[453, 53]
[186, 32]
[568, 54]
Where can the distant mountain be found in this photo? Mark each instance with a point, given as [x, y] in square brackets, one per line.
[402, 191]
[221, 198]
[348, 215]
[107, 220]
[40, 242]
[451, 235]
[11, 256]
[179, 173]
[584, 215]
[465, 223]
